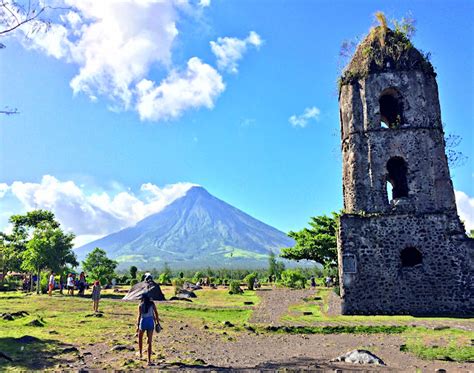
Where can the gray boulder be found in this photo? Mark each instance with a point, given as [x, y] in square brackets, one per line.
[359, 357]
[150, 287]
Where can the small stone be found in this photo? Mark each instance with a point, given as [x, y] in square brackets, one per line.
[122, 348]
[69, 350]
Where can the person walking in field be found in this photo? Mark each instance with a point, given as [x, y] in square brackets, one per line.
[147, 317]
[96, 296]
[51, 284]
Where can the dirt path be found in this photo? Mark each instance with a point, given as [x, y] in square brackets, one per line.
[274, 304]
[191, 347]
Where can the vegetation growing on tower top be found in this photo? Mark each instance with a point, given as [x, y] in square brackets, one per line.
[386, 49]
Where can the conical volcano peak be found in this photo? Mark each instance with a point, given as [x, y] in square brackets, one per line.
[194, 231]
[197, 190]
[384, 50]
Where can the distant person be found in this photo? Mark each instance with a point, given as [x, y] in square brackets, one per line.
[81, 284]
[96, 296]
[313, 282]
[147, 317]
[51, 284]
[70, 284]
[328, 281]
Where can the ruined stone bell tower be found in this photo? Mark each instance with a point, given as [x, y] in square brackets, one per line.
[402, 248]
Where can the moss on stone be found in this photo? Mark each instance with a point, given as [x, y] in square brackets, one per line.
[384, 50]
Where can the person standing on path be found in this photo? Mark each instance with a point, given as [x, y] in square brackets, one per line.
[147, 317]
[51, 284]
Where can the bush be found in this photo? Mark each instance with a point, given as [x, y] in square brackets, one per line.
[164, 278]
[133, 281]
[178, 284]
[234, 287]
[123, 280]
[250, 280]
[197, 276]
[293, 279]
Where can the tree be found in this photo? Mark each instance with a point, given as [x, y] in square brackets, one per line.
[133, 272]
[49, 248]
[98, 265]
[275, 268]
[12, 246]
[317, 243]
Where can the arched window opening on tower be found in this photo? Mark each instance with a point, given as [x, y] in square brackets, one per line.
[397, 177]
[410, 257]
[391, 108]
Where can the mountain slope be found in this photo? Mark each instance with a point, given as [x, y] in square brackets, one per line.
[196, 230]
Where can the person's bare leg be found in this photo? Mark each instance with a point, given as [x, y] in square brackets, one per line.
[140, 342]
[149, 334]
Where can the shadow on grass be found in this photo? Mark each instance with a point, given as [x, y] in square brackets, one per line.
[296, 364]
[30, 353]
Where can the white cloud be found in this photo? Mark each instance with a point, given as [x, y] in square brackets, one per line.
[465, 206]
[303, 119]
[117, 43]
[92, 215]
[197, 86]
[230, 50]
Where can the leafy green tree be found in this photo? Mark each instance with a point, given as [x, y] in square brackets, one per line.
[13, 245]
[133, 272]
[98, 265]
[317, 243]
[49, 248]
[275, 268]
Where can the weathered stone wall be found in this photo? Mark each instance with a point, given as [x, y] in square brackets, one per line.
[374, 280]
[377, 230]
[419, 140]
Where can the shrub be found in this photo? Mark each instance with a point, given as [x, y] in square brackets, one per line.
[197, 276]
[178, 284]
[133, 281]
[234, 287]
[250, 280]
[293, 279]
[123, 280]
[164, 278]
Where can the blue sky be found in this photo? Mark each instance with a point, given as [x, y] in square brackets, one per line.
[179, 109]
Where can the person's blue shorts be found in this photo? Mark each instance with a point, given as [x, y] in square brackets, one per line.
[147, 323]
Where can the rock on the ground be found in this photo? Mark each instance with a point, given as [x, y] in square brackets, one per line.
[359, 357]
[28, 339]
[122, 348]
[69, 350]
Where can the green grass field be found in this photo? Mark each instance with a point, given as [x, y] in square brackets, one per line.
[61, 321]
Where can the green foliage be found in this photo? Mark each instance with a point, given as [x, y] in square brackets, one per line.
[133, 281]
[164, 278]
[234, 287]
[293, 278]
[318, 243]
[133, 272]
[178, 284]
[12, 246]
[405, 26]
[197, 276]
[49, 248]
[250, 280]
[275, 268]
[98, 266]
